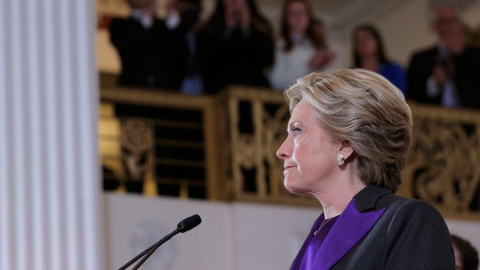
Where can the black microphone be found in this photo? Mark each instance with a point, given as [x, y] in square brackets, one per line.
[184, 226]
[189, 223]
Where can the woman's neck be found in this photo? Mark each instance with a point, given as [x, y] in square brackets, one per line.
[338, 195]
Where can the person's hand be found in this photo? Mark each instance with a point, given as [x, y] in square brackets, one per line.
[439, 74]
[320, 59]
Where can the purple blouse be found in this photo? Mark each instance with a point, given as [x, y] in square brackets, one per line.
[314, 242]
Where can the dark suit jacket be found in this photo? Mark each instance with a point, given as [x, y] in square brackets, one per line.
[150, 57]
[466, 76]
[234, 58]
[379, 230]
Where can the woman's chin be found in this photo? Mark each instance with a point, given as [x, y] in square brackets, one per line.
[291, 187]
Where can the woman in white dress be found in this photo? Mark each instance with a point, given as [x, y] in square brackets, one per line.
[301, 48]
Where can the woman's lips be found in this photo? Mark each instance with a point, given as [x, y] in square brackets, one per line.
[286, 169]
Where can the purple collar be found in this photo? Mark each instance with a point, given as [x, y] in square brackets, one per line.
[351, 227]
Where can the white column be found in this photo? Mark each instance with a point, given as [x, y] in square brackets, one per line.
[50, 190]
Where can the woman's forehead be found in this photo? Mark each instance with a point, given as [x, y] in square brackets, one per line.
[302, 112]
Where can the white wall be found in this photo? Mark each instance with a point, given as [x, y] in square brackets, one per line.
[268, 236]
[466, 229]
[231, 236]
[209, 246]
[236, 236]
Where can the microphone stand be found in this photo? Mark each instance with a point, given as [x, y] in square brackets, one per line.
[154, 247]
[149, 251]
[184, 225]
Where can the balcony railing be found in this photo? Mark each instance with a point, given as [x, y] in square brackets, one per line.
[223, 148]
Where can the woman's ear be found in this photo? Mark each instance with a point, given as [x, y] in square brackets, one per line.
[346, 149]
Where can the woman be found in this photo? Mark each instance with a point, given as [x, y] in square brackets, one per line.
[369, 53]
[235, 46]
[348, 137]
[301, 48]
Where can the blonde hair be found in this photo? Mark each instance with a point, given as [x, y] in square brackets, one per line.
[365, 109]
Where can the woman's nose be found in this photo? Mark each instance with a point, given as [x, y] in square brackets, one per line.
[285, 150]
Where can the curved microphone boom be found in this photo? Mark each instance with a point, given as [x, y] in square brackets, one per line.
[184, 226]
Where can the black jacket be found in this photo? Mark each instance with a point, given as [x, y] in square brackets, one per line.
[380, 230]
[154, 57]
[234, 57]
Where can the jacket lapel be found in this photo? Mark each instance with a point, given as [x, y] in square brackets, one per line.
[350, 228]
[298, 259]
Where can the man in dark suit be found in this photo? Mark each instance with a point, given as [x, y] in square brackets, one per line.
[151, 55]
[447, 73]
[184, 16]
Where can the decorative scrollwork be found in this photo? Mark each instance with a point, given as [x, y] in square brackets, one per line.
[443, 166]
[444, 162]
[273, 135]
[136, 141]
[246, 151]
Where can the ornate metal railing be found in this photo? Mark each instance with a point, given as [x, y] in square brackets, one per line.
[443, 166]
[160, 143]
[242, 128]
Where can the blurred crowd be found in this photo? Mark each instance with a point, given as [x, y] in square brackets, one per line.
[237, 45]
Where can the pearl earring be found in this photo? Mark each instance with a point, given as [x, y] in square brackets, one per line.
[340, 159]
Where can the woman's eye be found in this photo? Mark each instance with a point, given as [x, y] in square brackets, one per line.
[296, 131]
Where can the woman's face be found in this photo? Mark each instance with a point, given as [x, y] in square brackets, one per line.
[308, 153]
[297, 17]
[365, 44]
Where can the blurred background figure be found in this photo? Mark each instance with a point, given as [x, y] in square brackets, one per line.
[151, 55]
[301, 47]
[369, 53]
[235, 46]
[466, 256]
[323, 56]
[184, 16]
[446, 73]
